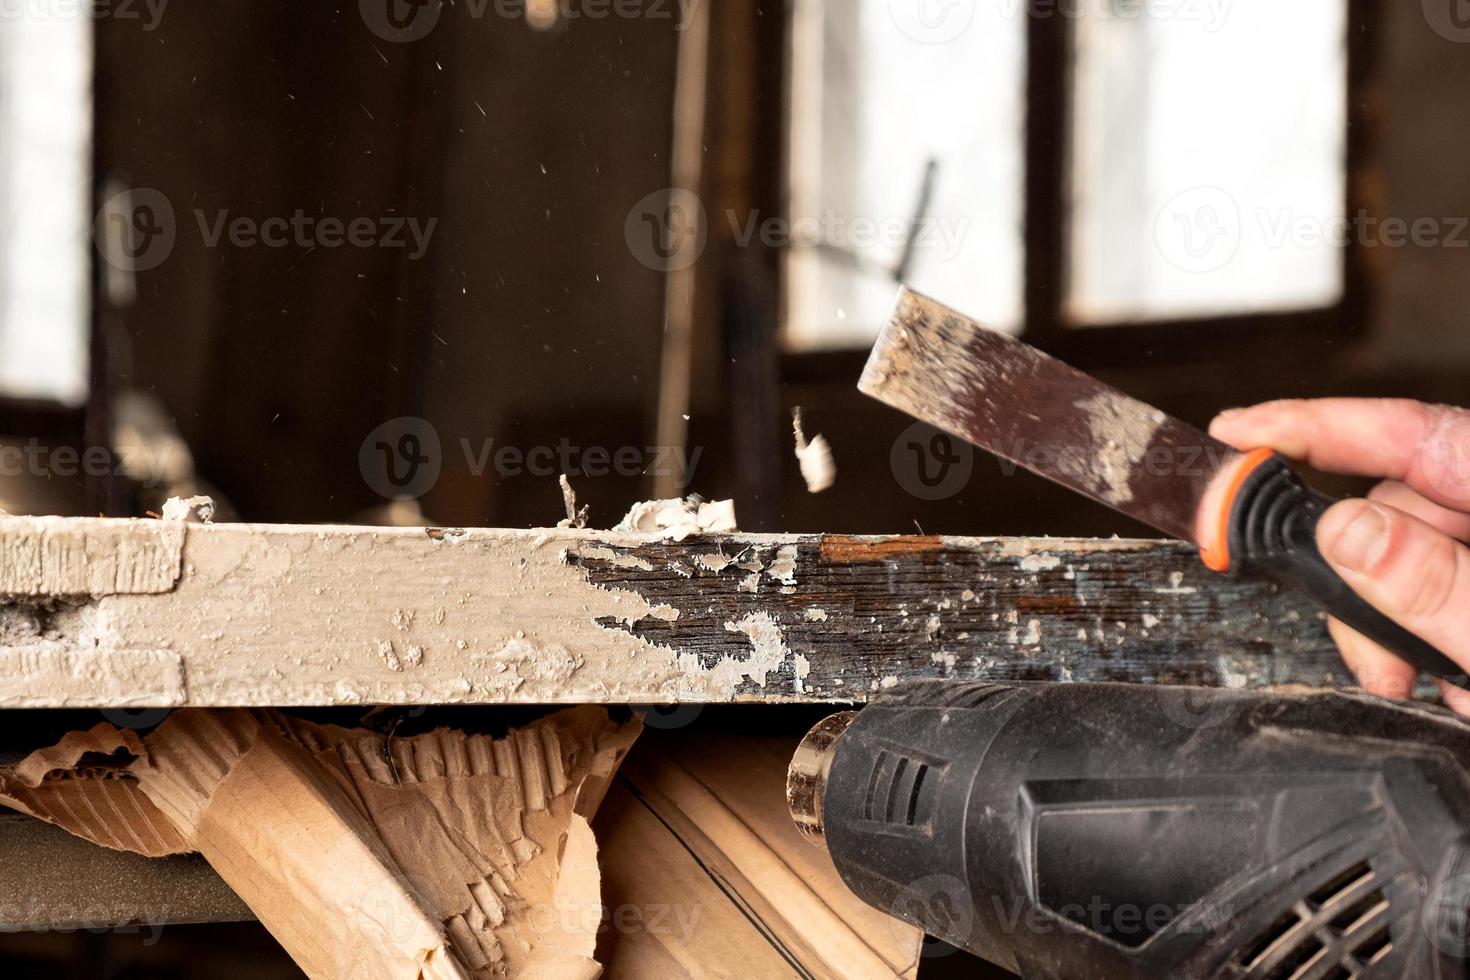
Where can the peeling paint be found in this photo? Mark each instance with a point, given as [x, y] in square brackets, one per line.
[783, 569]
[716, 563]
[615, 559]
[1040, 562]
[768, 648]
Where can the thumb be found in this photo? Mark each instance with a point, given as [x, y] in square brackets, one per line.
[1405, 568]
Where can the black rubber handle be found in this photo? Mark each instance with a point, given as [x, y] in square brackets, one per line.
[1273, 530]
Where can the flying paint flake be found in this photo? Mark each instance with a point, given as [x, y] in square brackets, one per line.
[814, 458]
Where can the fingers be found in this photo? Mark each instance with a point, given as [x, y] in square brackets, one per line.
[1408, 570]
[1378, 671]
[1425, 446]
[1401, 497]
[1457, 699]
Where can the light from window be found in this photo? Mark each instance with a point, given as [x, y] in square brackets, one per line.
[906, 160]
[1208, 168]
[45, 139]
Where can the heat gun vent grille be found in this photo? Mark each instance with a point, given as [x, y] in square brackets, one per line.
[896, 791]
[1338, 930]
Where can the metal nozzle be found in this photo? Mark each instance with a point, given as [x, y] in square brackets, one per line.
[806, 778]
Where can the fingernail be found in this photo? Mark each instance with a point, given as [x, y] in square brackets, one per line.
[1353, 534]
[1224, 417]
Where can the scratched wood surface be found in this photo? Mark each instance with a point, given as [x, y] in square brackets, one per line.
[263, 614]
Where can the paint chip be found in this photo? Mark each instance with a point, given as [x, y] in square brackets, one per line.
[814, 458]
[676, 519]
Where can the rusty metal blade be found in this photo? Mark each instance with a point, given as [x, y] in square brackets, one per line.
[1020, 404]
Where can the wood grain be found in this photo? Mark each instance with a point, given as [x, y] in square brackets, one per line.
[294, 615]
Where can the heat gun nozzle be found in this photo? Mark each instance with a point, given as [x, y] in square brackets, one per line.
[806, 779]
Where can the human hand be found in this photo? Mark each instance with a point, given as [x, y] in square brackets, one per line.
[1402, 548]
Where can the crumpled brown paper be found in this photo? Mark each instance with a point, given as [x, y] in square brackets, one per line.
[442, 855]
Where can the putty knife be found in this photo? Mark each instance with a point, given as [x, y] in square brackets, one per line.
[1247, 512]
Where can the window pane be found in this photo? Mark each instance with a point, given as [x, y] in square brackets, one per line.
[889, 98]
[1208, 158]
[45, 134]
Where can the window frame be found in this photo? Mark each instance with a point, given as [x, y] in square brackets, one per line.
[1294, 335]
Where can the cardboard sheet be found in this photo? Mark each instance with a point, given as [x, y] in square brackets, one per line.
[441, 855]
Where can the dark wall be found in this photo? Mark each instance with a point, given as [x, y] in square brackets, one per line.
[527, 320]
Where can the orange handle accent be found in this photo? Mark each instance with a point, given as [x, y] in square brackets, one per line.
[1217, 558]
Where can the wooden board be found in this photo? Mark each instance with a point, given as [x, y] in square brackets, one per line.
[722, 798]
[147, 613]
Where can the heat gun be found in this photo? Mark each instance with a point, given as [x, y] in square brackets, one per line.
[1129, 831]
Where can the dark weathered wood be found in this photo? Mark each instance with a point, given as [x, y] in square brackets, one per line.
[1000, 609]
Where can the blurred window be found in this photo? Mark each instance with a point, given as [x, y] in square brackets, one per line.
[1205, 174]
[45, 167]
[1208, 160]
[906, 147]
